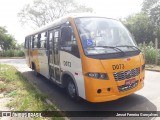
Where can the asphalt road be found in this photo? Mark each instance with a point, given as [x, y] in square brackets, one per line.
[147, 99]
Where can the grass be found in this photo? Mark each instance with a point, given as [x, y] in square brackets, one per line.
[23, 94]
[3, 87]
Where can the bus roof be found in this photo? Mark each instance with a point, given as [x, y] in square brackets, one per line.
[62, 20]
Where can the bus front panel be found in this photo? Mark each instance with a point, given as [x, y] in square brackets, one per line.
[112, 65]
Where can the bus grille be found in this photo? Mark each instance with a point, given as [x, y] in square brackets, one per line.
[118, 76]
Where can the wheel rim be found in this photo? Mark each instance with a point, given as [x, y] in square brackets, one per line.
[71, 89]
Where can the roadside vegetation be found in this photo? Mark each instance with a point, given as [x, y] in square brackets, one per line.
[23, 94]
[150, 53]
[145, 27]
[9, 46]
[12, 53]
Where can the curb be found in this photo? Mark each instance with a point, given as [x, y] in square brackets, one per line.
[152, 70]
[12, 57]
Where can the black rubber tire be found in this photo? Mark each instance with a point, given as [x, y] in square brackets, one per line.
[72, 91]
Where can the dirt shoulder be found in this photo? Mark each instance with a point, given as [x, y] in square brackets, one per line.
[17, 94]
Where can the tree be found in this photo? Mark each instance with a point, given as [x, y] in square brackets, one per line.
[148, 4]
[42, 12]
[152, 8]
[6, 40]
[141, 27]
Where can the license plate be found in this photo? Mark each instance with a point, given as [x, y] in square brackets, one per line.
[130, 81]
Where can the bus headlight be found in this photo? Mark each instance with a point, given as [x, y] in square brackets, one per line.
[102, 76]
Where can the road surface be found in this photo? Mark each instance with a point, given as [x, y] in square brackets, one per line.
[147, 99]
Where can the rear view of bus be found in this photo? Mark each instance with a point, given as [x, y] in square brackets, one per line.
[112, 65]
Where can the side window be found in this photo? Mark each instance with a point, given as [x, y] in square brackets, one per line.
[43, 38]
[56, 46]
[68, 40]
[32, 41]
[35, 42]
[50, 40]
[25, 44]
[50, 46]
[56, 38]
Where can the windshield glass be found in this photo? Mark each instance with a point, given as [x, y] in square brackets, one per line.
[102, 36]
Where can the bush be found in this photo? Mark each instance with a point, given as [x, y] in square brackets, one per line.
[20, 54]
[150, 53]
[12, 53]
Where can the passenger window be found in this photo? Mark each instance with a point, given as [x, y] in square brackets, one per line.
[30, 42]
[50, 47]
[56, 46]
[26, 43]
[35, 41]
[43, 38]
[32, 39]
[68, 41]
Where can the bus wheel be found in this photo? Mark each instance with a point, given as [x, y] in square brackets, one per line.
[71, 90]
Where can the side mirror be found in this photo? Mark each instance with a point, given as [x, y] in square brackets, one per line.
[66, 33]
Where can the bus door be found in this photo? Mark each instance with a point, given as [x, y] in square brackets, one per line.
[54, 57]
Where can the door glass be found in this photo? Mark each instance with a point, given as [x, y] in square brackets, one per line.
[51, 67]
[56, 55]
[51, 47]
[54, 67]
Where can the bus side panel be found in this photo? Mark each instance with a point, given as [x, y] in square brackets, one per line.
[35, 59]
[43, 61]
[73, 65]
[26, 51]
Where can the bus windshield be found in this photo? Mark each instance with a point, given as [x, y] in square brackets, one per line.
[102, 36]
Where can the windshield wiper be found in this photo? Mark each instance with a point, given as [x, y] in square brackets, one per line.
[129, 46]
[115, 48]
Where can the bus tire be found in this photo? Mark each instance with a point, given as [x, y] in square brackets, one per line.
[72, 91]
